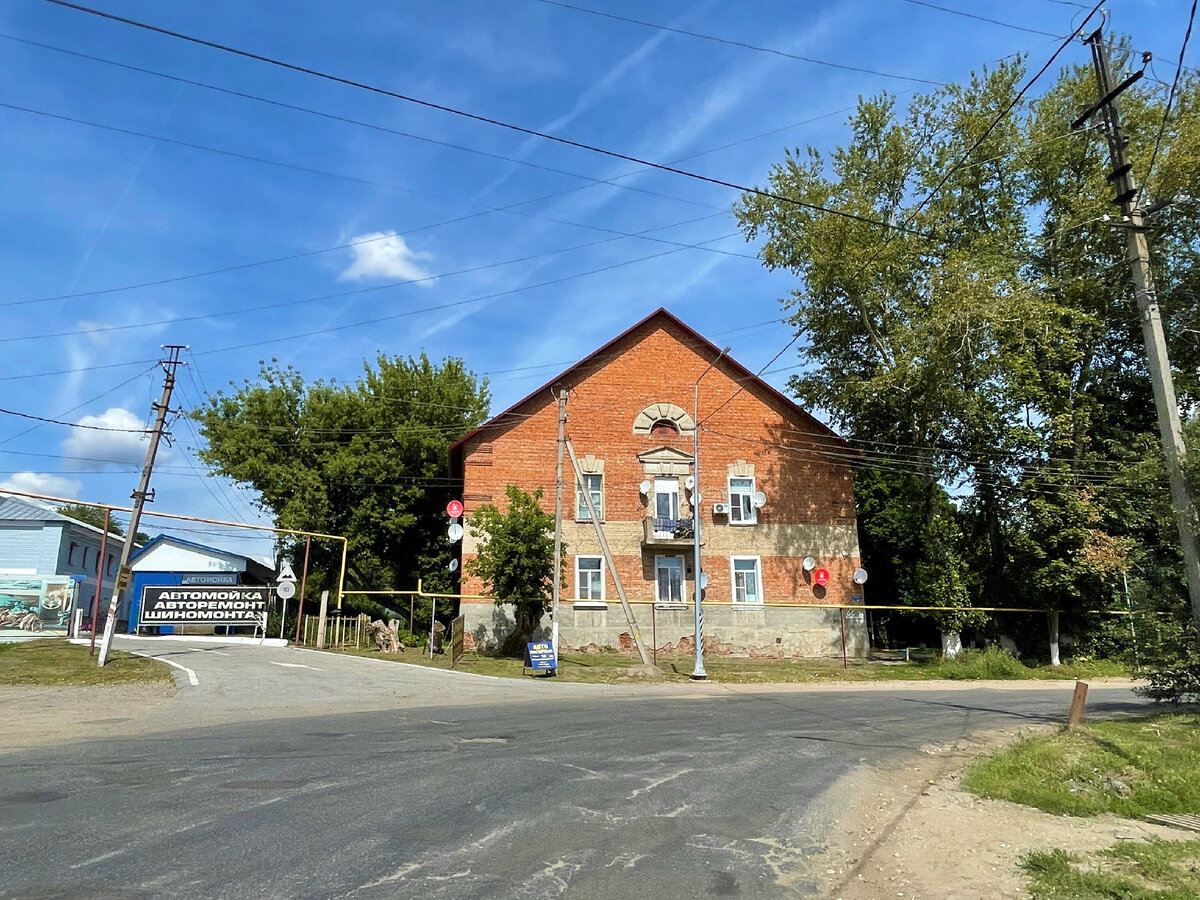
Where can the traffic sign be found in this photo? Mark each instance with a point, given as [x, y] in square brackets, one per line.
[455, 531]
[286, 573]
[286, 589]
[454, 509]
[821, 577]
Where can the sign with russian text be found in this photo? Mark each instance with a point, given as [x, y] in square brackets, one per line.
[182, 605]
[541, 656]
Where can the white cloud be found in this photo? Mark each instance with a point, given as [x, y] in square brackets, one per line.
[384, 254]
[42, 483]
[123, 449]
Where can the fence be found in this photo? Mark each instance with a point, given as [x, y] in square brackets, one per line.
[344, 632]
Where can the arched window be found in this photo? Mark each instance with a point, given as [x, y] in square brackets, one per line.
[664, 428]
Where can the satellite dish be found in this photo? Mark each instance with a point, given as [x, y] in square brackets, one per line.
[696, 499]
[809, 564]
[689, 482]
[760, 499]
[644, 487]
[455, 531]
[860, 576]
[454, 565]
[703, 580]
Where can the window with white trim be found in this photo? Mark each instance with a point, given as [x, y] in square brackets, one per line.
[594, 485]
[747, 579]
[741, 502]
[589, 578]
[668, 579]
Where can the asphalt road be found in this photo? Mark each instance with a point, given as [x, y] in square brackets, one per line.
[453, 786]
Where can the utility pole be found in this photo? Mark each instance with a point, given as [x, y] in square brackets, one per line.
[142, 494]
[1147, 300]
[558, 492]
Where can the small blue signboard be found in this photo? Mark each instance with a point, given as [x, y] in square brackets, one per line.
[540, 656]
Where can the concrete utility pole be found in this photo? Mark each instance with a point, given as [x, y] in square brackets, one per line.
[141, 495]
[558, 492]
[1147, 300]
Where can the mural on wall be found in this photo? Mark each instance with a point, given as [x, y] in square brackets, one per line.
[35, 603]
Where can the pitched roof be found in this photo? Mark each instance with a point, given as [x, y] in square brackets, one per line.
[661, 316]
[252, 564]
[14, 509]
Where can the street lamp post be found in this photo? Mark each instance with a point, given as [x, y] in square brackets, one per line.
[698, 673]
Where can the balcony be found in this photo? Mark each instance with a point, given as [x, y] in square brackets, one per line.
[660, 532]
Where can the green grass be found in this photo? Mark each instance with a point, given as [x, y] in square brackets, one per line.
[609, 667]
[1162, 870]
[1132, 767]
[55, 662]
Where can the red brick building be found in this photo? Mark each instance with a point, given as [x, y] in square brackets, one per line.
[775, 486]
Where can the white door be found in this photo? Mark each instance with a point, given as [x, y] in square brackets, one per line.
[666, 506]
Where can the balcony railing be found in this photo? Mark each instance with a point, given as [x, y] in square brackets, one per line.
[669, 532]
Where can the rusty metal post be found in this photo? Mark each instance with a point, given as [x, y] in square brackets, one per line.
[303, 581]
[1078, 699]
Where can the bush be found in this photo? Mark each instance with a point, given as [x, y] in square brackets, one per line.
[1176, 684]
[993, 662]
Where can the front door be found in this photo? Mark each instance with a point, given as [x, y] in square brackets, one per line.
[668, 579]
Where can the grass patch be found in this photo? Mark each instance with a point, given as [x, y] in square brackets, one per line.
[1132, 767]
[608, 667]
[55, 662]
[1162, 870]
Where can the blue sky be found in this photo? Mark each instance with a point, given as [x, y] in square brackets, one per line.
[518, 256]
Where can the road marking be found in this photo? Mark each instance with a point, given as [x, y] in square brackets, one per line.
[195, 682]
[96, 859]
[206, 650]
[294, 666]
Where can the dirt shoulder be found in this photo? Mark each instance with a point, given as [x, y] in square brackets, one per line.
[907, 829]
[35, 716]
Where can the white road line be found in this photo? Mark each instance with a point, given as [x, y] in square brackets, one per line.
[294, 665]
[206, 650]
[96, 859]
[195, 682]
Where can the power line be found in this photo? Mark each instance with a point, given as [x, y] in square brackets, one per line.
[967, 15]
[1162, 127]
[10, 412]
[475, 117]
[742, 44]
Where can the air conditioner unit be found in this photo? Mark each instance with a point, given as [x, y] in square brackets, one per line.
[720, 509]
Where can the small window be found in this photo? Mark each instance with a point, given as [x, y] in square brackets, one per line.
[664, 428]
[72, 553]
[594, 485]
[668, 579]
[83, 564]
[747, 580]
[741, 501]
[589, 578]
[111, 565]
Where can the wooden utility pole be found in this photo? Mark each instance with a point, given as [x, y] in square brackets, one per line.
[608, 557]
[1147, 300]
[141, 495]
[558, 497]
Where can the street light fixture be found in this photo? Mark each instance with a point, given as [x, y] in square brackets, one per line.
[698, 674]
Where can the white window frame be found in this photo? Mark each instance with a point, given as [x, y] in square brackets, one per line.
[666, 486]
[581, 600]
[658, 561]
[581, 510]
[741, 503]
[733, 580]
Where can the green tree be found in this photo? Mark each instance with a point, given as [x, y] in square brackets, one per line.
[515, 560]
[94, 515]
[367, 460]
[998, 351]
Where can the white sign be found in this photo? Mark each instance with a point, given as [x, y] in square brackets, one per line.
[286, 573]
[455, 531]
[286, 589]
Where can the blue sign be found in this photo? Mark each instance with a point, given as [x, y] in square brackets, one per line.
[541, 656]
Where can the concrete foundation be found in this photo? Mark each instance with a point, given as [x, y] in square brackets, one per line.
[793, 632]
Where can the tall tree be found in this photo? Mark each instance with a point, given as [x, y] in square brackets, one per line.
[367, 460]
[515, 560]
[997, 352]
